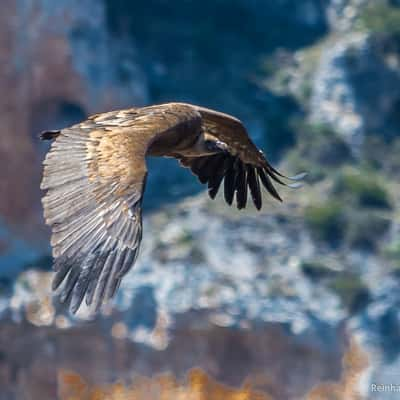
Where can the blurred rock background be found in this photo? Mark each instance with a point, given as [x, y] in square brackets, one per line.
[275, 295]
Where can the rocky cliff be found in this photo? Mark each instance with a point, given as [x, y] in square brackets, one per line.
[279, 291]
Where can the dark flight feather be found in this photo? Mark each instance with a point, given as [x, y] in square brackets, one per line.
[266, 181]
[229, 184]
[254, 185]
[241, 186]
[215, 181]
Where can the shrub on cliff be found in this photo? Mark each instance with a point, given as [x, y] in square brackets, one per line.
[365, 229]
[319, 149]
[326, 222]
[362, 188]
[392, 254]
[352, 291]
[381, 18]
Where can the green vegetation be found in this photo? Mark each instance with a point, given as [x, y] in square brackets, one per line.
[321, 146]
[356, 214]
[197, 255]
[351, 290]
[380, 154]
[310, 58]
[326, 222]
[365, 229]
[319, 151]
[296, 162]
[319, 129]
[185, 238]
[379, 17]
[362, 188]
[353, 214]
[392, 253]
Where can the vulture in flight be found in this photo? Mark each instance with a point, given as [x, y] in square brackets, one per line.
[95, 175]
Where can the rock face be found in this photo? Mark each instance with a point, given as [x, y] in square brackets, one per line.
[342, 14]
[236, 268]
[58, 65]
[356, 89]
[333, 100]
[198, 384]
[29, 366]
[274, 294]
[213, 289]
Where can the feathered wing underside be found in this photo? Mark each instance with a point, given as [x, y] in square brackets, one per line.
[93, 205]
[243, 168]
[94, 175]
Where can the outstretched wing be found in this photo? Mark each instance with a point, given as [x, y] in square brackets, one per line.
[243, 167]
[95, 175]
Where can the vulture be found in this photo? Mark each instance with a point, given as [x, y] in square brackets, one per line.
[95, 175]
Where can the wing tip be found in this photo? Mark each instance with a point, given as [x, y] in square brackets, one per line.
[298, 177]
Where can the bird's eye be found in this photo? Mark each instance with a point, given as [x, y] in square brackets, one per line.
[211, 146]
[215, 145]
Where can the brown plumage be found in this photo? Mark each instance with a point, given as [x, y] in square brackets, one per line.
[95, 175]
